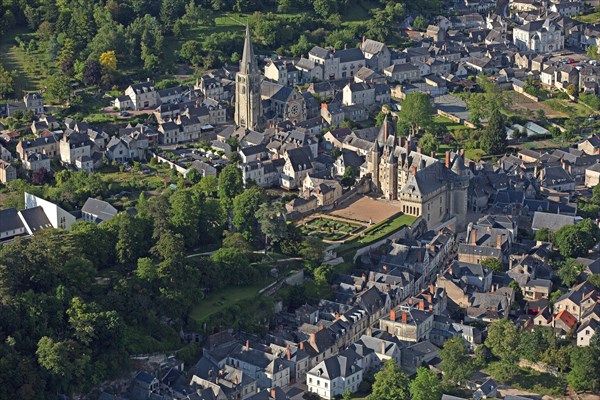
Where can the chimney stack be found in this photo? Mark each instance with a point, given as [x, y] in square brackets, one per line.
[413, 170]
[321, 327]
[473, 237]
[499, 241]
[382, 347]
[462, 153]
[301, 345]
[392, 315]
[273, 395]
[404, 318]
[431, 288]
[433, 154]
[312, 338]
[385, 268]
[422, 305]
[288, 353]
[448, 159]
[247, 344]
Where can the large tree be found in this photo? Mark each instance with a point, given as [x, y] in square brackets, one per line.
[230, 184]
[426, 385]
[503, 340]
[456, 363]
[493, 136]
[585, 364]
[245, 209]
[58, 88]
[416, 113]
[271, 218]
[391, 383]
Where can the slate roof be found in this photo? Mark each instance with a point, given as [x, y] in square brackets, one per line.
[372, 46]
[9, 220]
[337, 366]
[35, 218]
[99, 208]
[551, 221]
[300, 158]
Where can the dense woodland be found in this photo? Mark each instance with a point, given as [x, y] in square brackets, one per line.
[77, 38]
[75, 304]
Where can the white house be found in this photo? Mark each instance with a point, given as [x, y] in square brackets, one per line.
[332, 376]
[543, 36]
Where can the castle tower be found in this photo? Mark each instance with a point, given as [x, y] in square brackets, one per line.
[248, 111]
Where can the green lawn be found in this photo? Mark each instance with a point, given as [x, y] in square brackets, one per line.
[592, 18]
[30, 70]
[376, 232]
[219, 300]
[474, 154]
[449, 124]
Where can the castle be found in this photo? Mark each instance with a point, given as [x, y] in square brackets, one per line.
[423, 185]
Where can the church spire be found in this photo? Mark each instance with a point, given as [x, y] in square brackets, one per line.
[248, 63]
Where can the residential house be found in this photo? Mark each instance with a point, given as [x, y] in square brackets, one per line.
[34, 101]
[543, 36]
[48, 145]
[338, 64]
[334, 375]
[143, 95]
[414, 325]
[8, 173]
[586, 331]
[401, 73]
[359, 94]
[537, 289]
[578, 300]
[376, 54]
[10, 224]
[95, 210]
[298, 164]
[74, 147]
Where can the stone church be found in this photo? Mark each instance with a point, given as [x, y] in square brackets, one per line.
[248, 110]
[260, 103]
[422, 184]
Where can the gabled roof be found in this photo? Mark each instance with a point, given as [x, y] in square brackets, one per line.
[9, 220]
[567, 318]
[99, 208]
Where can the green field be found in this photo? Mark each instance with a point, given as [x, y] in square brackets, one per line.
[219, 300]
[376, 232]
[592, 18]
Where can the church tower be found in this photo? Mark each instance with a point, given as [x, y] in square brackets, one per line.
[247, 89]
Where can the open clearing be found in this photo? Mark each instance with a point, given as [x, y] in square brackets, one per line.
[367, 209]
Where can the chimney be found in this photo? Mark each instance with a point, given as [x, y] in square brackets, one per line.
[392, 315]
[422, 305]
[404, 318]
[431, 288]
[288, 353]
[430, 308]
[312, 338]
[473, 237]
[448, 159]
[462, 153]
[433, 154]
[273, 395]
[337, 316]
[321, 327]
[413, 170]
[385, 268]
[382, 347]
[407, 147]
[247, 344]
[499, 241]
[301, 345]
[364, 39]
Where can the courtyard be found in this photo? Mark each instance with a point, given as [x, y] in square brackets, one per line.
[367, 209]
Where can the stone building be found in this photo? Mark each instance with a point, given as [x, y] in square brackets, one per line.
[423, 185]
[247, 89]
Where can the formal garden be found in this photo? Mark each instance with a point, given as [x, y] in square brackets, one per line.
[330, 229]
